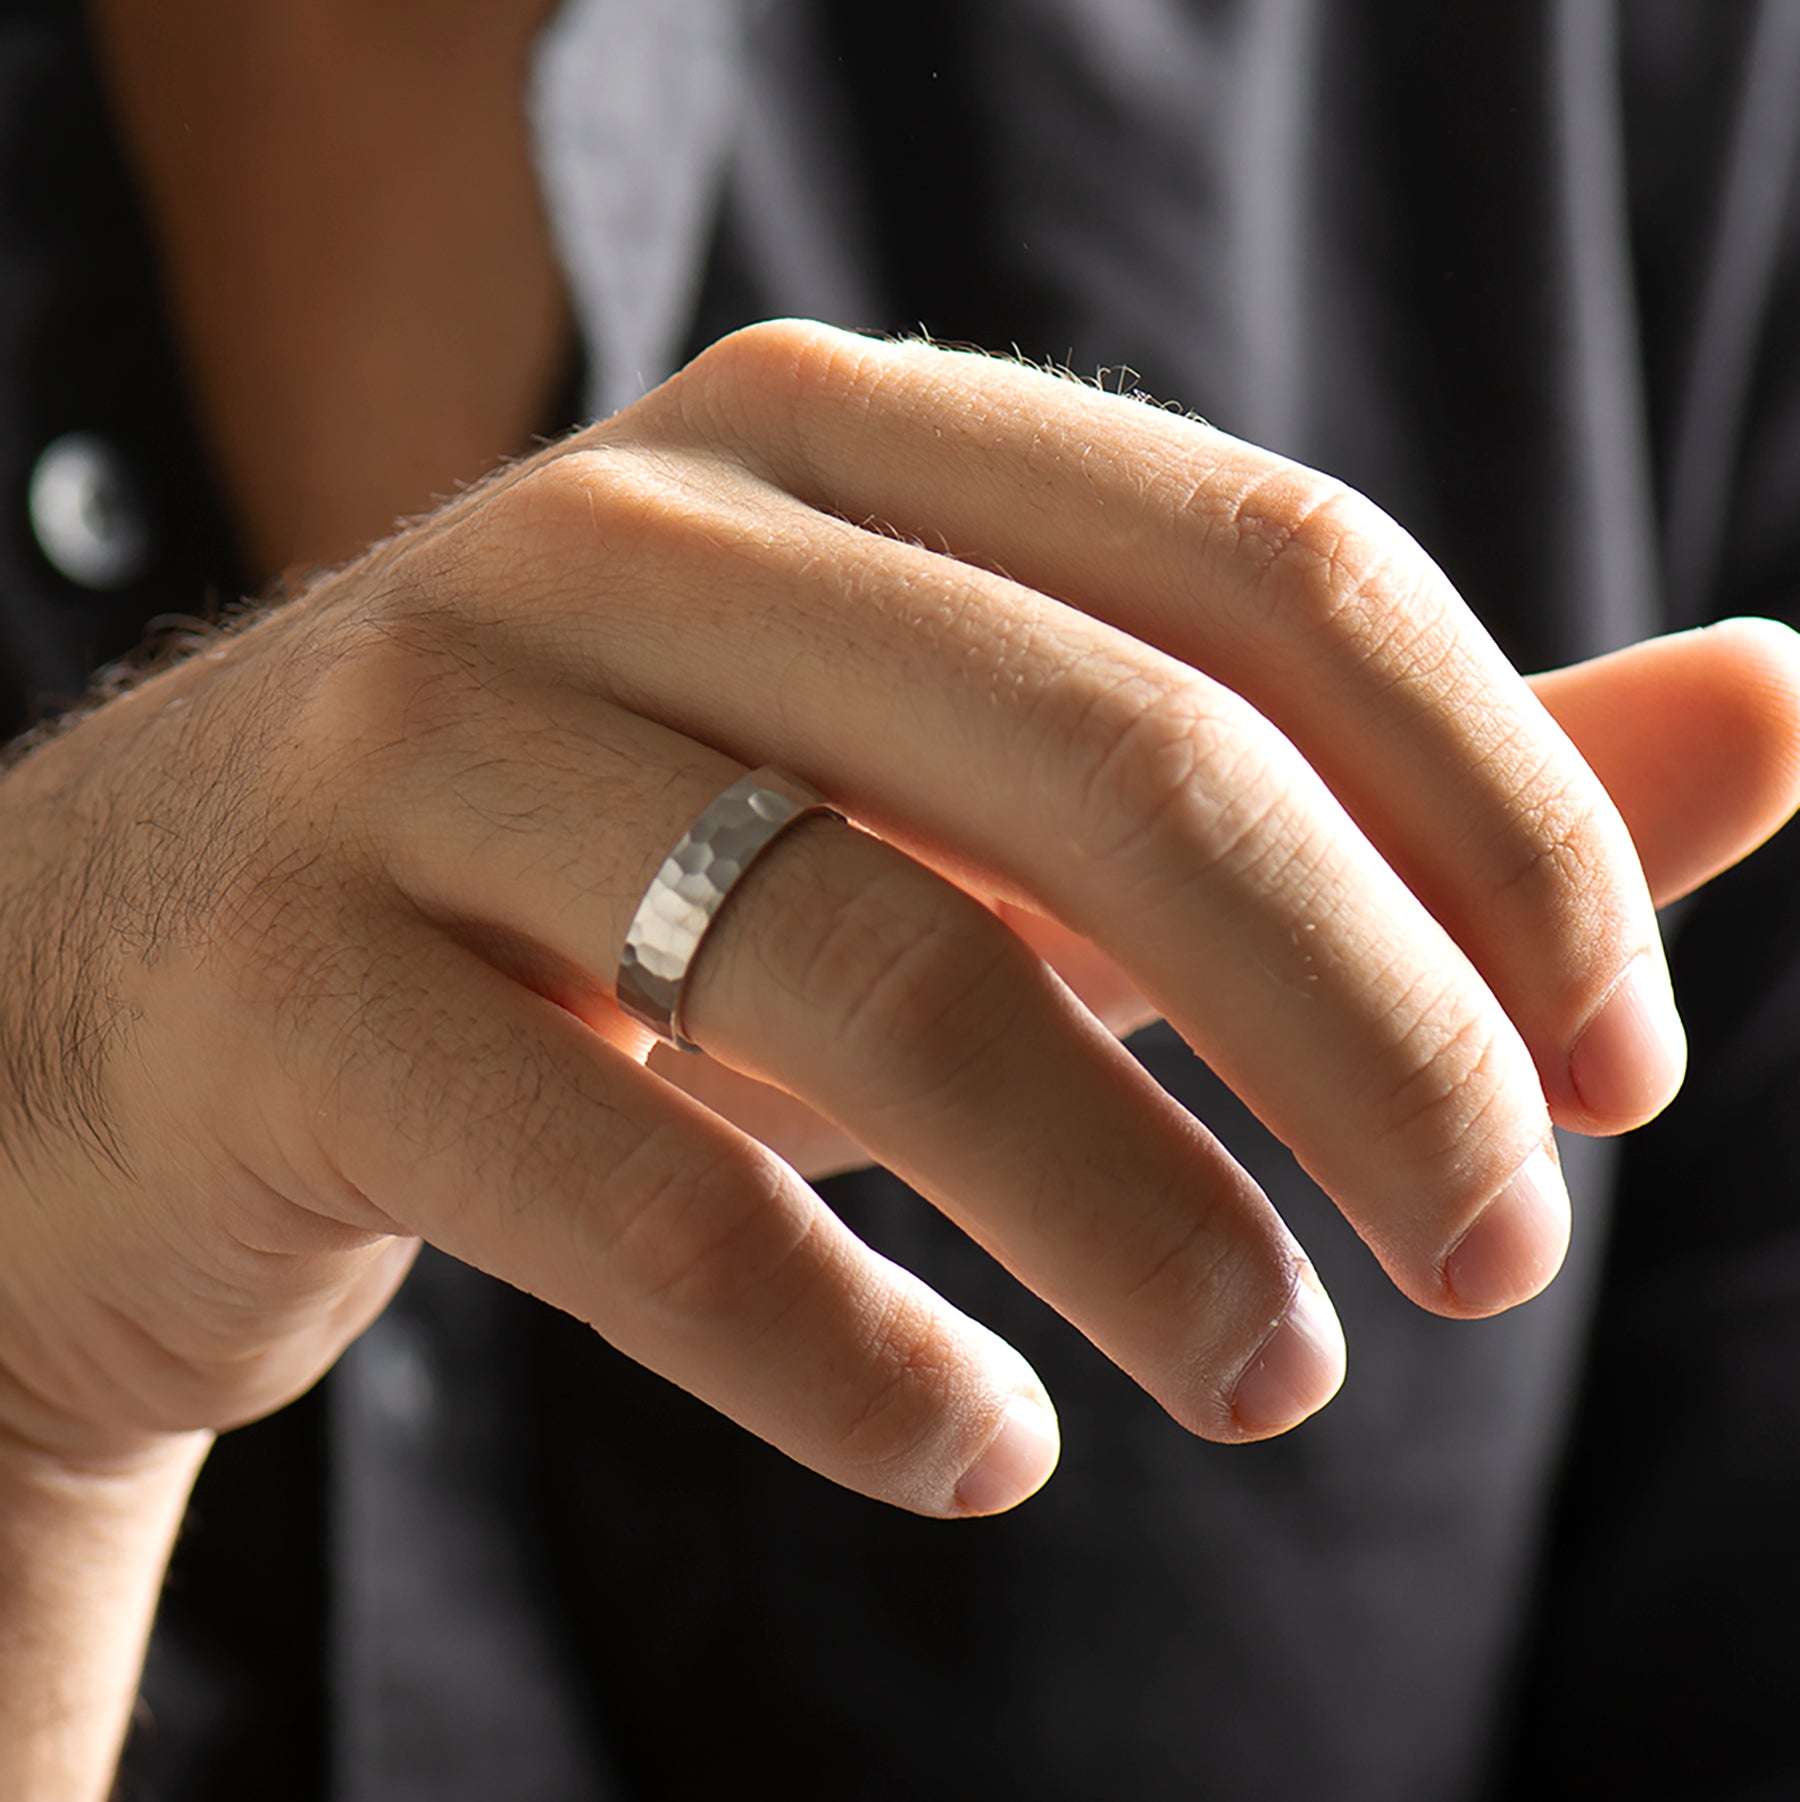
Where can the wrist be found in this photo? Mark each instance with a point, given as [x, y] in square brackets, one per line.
[83, 1546]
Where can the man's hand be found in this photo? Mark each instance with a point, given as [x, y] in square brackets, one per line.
[311, 940]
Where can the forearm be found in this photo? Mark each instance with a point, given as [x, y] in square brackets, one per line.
[82, 1555]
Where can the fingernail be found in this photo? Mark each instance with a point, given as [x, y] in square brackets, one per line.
[1630, 1060]
[1517, 1242]
[1299, 1368]
[1017, 1462]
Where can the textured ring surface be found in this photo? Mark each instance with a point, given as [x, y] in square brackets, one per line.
[685, 895]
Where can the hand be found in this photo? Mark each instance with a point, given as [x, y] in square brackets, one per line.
[313, 936]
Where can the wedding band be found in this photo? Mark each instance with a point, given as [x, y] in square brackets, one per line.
[684, 897]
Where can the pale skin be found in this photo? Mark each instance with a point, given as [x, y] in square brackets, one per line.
[322, 924]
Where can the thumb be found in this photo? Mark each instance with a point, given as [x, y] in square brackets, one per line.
[1696, 737]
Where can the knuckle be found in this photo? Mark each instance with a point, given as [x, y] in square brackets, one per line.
[1214, 1287]
[898, 1422]
[1330, 564]
[919, 984]
[579, 511]
[384, 738]
[1191, 1272]
[397, 681]
[1158, 767]
[1557, 848]
[614, 531]
[765, 377]
[691, 1239]
[1449, 1093]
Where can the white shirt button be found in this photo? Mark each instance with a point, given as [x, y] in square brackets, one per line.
[87, 512]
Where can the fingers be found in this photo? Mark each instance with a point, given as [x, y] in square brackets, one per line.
[485, 1118]
[1353, 860]
[1305, 600]
[901, 1010]
[1114, 789]
[1697, 739]
[1195, 725]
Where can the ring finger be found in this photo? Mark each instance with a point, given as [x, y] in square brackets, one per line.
[849, 975]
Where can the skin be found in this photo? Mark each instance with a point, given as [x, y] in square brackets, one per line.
[347, 211]
[320, 925]
[325, 919]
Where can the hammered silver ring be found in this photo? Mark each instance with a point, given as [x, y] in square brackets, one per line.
[696, 878]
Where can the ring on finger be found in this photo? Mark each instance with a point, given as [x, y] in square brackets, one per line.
[693, 883]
